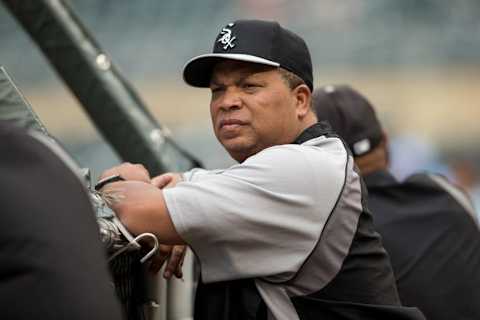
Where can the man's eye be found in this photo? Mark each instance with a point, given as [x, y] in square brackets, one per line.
[251, 86]
[216, 89]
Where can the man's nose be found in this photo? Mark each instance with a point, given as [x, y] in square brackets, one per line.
[231, 99]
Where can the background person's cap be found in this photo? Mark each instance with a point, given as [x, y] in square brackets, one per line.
[255, 41]
[351, 116]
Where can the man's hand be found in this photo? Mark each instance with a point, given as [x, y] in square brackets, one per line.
[174, 255]
[128, 171]
[139, 197]
[167, 180]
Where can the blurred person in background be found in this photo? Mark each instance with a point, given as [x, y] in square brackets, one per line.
[53, 263]
[427, 224]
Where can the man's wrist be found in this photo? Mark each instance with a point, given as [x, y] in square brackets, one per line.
[110, 179]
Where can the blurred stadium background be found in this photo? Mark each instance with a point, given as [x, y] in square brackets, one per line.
[416, 60]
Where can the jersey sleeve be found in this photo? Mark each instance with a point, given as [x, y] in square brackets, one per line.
[197, 174]
[261, 218]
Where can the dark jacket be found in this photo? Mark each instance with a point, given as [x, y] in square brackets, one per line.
[433, 242]
[52, 262]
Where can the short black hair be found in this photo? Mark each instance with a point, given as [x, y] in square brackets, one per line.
[291, 78]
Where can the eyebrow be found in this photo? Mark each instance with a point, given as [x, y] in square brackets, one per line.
[213, 82]
[242, 79]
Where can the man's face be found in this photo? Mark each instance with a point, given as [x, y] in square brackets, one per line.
[252, 108]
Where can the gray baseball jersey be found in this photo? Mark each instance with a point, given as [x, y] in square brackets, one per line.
[285, 217]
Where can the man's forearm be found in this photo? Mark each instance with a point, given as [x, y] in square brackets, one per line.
[141, 207]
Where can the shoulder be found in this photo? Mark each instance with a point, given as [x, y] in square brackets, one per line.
[443, 185]
[438, 182]
[312, 166]
[26, 145]
[14, 138]
[317, 152]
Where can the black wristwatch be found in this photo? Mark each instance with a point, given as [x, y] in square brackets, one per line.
[102, 182]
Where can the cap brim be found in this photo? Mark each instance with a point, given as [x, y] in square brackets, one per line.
[197, 71]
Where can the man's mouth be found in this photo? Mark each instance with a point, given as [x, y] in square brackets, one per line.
[231, 124]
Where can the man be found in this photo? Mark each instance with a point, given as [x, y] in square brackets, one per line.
[426, 223]
[282, 234]
[53, 264]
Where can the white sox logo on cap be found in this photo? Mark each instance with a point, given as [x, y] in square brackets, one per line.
[226, 39]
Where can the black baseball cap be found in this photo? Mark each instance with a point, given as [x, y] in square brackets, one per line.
[256, 41]
[351, 116]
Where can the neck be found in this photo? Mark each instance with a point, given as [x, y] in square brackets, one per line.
[306, 122]
[309, 120]
[374, 161]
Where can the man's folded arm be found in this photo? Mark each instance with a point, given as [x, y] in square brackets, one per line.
[141, 207]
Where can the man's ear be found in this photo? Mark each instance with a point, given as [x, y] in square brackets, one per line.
[303, 100]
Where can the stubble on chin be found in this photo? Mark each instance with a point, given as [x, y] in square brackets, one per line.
[241, 152]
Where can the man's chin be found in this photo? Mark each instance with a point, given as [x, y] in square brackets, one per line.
[238, 150]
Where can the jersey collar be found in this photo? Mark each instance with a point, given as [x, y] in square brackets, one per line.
[318, 129]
